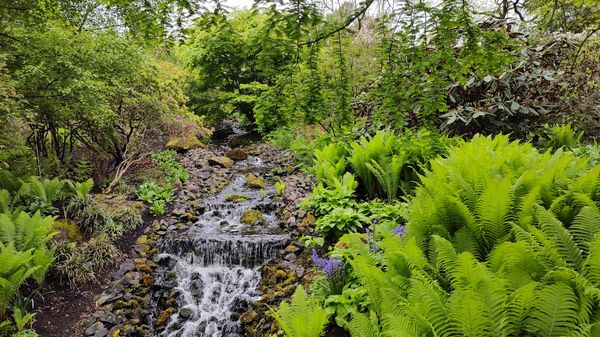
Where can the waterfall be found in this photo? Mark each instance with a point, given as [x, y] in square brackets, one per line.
[215, 265]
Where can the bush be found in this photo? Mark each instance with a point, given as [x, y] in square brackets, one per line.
[323, 200]
[339, 222]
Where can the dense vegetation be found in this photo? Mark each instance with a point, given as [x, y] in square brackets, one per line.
[452, 143]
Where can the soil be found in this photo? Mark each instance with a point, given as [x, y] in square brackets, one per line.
[63, 311]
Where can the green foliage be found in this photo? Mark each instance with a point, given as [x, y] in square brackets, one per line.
[279, 187]
[303, 317]
[25, 233]
[81, 190]
[330, 163]
[156, 195]
[501, 240]
[130, 218]
[167, 160]
[40, 194]
[560, 136]
[474, 197]
[339, 222]
[15, 268]
[323, 200]
[79, 263]
[385, 164]
[22, 318]
[89, 214]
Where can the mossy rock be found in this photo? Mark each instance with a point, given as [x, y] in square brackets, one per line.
[184, 143]
[254, 181]
[236, 198]
[164, 317]
[68, 230]
[222, 161]
[252, 217]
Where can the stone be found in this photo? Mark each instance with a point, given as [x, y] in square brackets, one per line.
[290, 257]
[96, 330]
[236, 154]
[236, 198]
[252, 217]
[254, 181]
[221, 161]
[183, 144]
[233, 142]
[107, 298]
[186, 312]
[248, 317]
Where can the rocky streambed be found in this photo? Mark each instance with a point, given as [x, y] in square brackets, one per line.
[222, 257]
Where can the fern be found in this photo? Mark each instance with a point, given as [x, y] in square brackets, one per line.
[388, 174]
[555, 312]
[560, 236]
[585, 227]
[303, 317]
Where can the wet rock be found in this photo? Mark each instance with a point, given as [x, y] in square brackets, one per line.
[248, 317]
[236, 198]
[233, 142]
[221, 161]
[252, 217]
[254, 181]
[236, 154]
[186, 312]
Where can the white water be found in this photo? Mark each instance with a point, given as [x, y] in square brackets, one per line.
[217, 262]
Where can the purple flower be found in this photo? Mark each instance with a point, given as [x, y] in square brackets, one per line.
[329, 266]
[399, 230]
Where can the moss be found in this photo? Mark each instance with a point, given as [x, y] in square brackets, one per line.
[184, 143]
[254, 181]
[252, 217]
[142, 240]
[70, 229]
[236, 198]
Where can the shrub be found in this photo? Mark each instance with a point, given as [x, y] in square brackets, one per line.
[339, 222]
[25, 233]
[324, 200]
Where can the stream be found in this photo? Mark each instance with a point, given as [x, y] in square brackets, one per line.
[214, 266]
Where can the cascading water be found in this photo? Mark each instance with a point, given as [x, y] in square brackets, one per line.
[215, 264]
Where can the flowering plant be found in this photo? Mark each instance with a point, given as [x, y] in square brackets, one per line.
[333, 268]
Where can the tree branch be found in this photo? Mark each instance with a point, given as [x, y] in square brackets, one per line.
[348, 22]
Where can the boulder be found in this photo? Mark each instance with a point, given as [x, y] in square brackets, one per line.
[236, 154]
[254, 181]
[221, 161]
[183, 144]
[252, 217]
